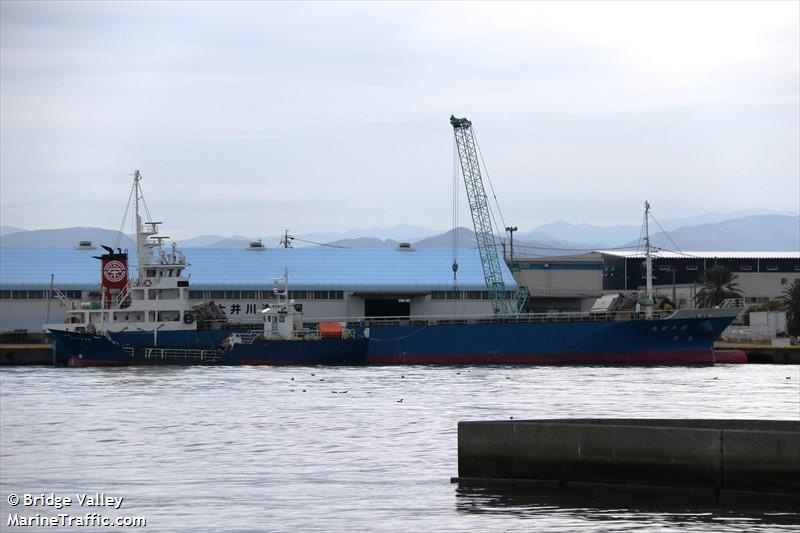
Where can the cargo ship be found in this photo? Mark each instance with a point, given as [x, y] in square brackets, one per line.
[149, 320]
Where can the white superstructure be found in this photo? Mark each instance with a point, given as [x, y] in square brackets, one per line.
[157, 299]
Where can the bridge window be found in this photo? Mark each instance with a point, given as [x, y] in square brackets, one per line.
[163, 294]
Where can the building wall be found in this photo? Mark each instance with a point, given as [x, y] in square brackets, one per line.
[30, 314]
[426, 306]
[757, 288]
[560, 283]
[565, 278]
[572, 282]
[765, 285]
[758, 274]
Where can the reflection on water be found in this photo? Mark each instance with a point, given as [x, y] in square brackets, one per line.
[617, 508]
[343, 449]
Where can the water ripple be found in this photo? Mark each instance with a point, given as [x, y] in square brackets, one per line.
[285, 449]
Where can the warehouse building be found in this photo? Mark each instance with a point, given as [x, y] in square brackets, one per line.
[572, 283]
[338, 283]
[329, 283]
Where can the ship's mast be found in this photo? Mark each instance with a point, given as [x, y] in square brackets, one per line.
[648, 256]
[149, 245]
[142, 251]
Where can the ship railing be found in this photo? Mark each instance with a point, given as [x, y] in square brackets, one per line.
[249, 337]
[732, 303]
[307, 334]
[360, 322]
[174, 353]
[313, 334]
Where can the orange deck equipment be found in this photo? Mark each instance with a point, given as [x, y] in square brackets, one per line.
[330, 330]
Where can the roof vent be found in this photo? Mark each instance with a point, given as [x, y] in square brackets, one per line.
[404, 247]
[85, 245]
[256, 246]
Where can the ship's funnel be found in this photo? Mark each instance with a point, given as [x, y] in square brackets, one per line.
[114, 278]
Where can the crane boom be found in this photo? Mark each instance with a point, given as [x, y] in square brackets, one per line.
[481, 217]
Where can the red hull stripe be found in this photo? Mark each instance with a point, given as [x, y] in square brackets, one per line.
[730, 357]
[670, 357]
[273, 362]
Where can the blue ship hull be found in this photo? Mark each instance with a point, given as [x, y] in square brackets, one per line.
[679, 341]
[491, 341]
[69, 346]
[85, 349]
[305, 352]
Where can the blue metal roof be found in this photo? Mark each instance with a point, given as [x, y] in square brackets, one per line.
[226, 268]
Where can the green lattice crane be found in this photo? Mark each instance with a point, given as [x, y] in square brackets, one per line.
[481, 216]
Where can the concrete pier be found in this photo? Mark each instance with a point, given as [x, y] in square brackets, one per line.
[763, 353]
[726, 457]
[26, 354]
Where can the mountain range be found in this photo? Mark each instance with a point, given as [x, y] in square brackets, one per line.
[762, 232]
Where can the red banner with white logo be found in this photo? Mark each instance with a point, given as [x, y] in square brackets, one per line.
[114, 277]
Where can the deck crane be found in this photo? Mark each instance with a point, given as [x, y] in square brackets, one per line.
[481, 219]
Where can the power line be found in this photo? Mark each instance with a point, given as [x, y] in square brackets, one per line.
[664, 231]
[319, 243]
[491, 186]
[533, 246]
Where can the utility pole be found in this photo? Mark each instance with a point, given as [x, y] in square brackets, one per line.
[674, 297]
[287, 240]
[49, 298]
[648, 262]
[511, 230]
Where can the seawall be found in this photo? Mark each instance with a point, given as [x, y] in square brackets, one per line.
[727, 457]
[26, 354]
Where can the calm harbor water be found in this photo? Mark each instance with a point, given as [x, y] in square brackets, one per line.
[335, 449]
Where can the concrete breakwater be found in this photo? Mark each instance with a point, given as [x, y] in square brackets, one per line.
[26, 354]
[726, 457]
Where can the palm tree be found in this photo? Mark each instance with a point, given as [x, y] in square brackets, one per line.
[791, 299]
[719, 284]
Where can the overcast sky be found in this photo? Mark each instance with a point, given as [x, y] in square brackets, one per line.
[253, 117]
